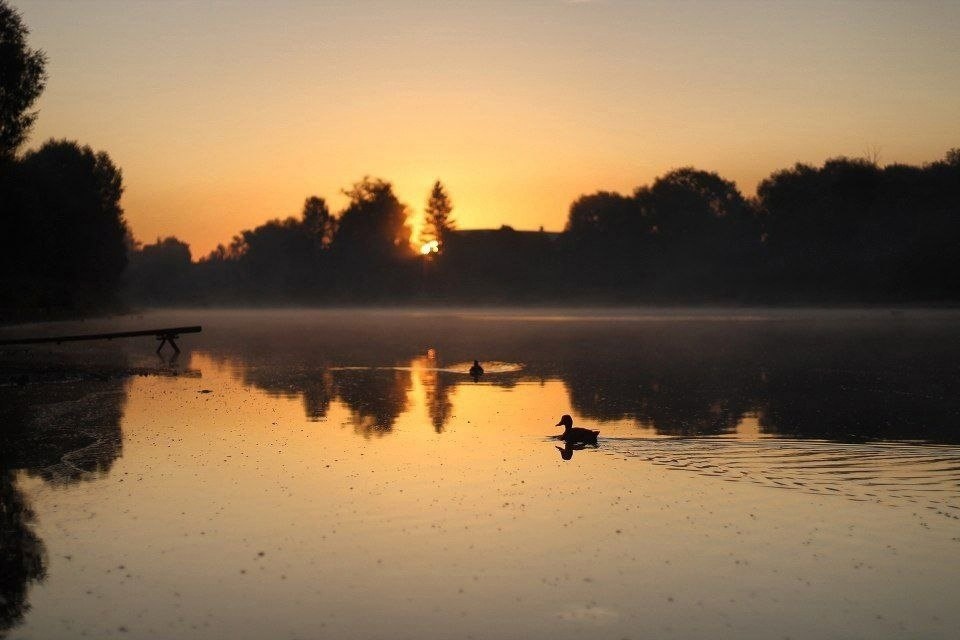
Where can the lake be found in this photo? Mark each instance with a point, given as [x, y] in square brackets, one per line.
[338, 473]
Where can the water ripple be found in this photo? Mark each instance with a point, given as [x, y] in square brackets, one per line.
[899, 474]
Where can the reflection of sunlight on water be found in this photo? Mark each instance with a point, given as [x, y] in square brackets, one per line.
[424, 399]
[377, 502]
[425, 364]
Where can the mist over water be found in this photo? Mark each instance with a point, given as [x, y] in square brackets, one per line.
[759, 473]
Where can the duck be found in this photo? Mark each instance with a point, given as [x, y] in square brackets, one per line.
[576, 434]
[476, 370]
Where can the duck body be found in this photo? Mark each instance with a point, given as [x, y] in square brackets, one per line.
[576, 434]
[476, 369]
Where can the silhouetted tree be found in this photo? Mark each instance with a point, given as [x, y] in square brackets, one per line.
[374, 224]
[437, 216]
[372, 249]
[276, 259]
[22, 79]
[847, 231]
[705, 234]
[281, 260]
[689, 233]
[930, 268]
[851, 230]
[608, 234]
[604, 215]
[64, 238]
[319, 222]
[161, 272]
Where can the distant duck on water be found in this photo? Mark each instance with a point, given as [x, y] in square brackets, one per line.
[476, 370]
[576, 434]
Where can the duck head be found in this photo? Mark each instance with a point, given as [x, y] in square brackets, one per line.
[566, 422]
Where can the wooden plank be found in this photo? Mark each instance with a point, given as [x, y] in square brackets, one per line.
[168, 332]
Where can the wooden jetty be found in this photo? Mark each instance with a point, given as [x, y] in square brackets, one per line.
[165, 336]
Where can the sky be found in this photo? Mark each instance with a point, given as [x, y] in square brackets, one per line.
[223, 115]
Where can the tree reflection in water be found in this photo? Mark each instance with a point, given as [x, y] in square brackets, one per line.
[317, 394]
[437, 386]
[23, 558]
[375, 397]
[64, 432]
[807, 375]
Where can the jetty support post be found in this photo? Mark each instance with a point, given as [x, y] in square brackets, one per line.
[166, 338]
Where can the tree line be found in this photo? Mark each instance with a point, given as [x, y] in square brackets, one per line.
[849, 231]
[363, 253]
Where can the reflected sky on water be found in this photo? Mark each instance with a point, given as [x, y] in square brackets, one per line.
[306, 474]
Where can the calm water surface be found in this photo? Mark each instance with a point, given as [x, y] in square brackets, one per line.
[312, 474]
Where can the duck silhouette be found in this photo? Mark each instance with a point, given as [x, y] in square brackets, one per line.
[576, 434]
[476, 370]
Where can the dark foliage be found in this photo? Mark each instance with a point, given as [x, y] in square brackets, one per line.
[854, 231]
[22, 78]
[847, 232]
[364, 254]
[63, 238]
[372, 249]
[373, 227]
[161, 272]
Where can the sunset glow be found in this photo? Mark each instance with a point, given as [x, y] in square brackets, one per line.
[542, 319]
[225, 115]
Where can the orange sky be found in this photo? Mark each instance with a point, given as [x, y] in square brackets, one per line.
[225, 114]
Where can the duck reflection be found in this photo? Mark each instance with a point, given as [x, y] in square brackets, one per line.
[566, 451]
